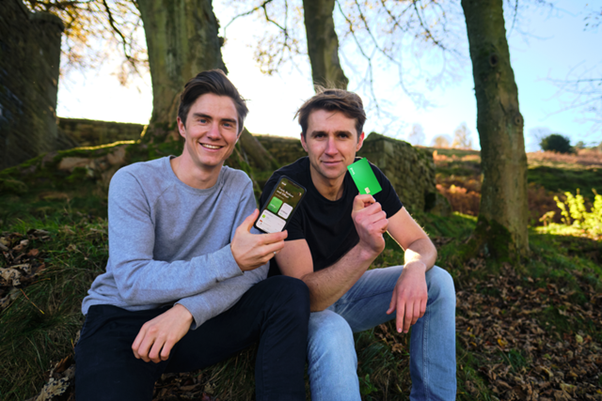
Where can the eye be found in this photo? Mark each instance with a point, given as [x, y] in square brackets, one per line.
[202, 120]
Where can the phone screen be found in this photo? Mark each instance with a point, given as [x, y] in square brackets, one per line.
[280, 206]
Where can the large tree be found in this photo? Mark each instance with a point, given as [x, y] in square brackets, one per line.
[323, 44]
[503, 214]
[182, 40]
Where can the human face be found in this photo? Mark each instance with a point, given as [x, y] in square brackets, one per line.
[210, 133]
[331, 142]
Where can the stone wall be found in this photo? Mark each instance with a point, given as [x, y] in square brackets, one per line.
[30, 45]
[94, 132]
[411, 170]
[284, 149]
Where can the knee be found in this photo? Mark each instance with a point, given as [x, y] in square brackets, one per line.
[330, 336]
[290, 296]
[441, 285]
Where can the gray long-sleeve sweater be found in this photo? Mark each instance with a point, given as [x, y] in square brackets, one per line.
[170, 243]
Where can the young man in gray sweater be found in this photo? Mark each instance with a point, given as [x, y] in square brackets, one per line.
[184, 284]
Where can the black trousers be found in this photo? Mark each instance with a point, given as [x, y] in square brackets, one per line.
[274, 312]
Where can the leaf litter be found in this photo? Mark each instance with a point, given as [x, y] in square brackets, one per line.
[520, 357]
[22, 265]
[499, 323]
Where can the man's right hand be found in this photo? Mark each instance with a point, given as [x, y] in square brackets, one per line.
[253, 250]
[370, 222]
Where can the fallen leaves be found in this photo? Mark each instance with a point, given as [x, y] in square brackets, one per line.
[21, 266]
[505, 322]
[60, 379]
[500, 324]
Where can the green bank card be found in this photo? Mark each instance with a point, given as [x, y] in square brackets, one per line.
[364, 177]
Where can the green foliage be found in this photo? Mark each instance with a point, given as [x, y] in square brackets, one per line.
[556, 143]
[8, 186]
[574, 212]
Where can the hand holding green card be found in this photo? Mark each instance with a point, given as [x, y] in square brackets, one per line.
[364, 177]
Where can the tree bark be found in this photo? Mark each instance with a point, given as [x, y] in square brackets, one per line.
[503, 216]
[323, 44]
[182, 40]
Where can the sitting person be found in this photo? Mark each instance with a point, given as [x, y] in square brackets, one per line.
[184, 286]
[335, 235]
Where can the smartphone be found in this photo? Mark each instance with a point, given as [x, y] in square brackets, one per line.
[364, 178]
[280, 206]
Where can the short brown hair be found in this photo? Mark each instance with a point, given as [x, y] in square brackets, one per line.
[341, 100]
[216, 82]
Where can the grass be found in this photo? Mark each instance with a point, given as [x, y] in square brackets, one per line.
[40, 326]
[564, 180]
[31, 341]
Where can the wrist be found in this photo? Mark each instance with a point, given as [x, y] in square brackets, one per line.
[366, 252]
[416, 265]
[183, 313]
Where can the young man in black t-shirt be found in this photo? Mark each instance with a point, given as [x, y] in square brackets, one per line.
[333, 238]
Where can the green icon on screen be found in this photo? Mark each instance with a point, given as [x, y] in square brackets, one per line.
[274, 205]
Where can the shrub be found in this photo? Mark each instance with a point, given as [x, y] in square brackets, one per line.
[556, 143]
[574, 212]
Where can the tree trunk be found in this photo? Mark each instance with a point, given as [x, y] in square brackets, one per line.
[323, 44]
[182, 40]
[502, 222]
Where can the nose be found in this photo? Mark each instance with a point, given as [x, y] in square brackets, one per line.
[331, 146]
[214, 131]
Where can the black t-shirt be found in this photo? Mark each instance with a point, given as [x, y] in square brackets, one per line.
[327, 225]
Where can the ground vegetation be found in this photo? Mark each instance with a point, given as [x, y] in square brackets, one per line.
[529, 329]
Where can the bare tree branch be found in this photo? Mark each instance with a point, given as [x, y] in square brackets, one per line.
[426, 29]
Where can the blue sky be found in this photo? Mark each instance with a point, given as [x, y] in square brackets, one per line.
[549, 45]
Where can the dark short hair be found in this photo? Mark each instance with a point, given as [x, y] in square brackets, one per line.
[216, 82]
[348, 103]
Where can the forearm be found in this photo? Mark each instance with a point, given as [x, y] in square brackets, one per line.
[221, 297]
[155, 282]
[421, 250]
[326, 286]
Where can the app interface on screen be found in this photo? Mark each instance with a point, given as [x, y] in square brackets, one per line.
[279, 208]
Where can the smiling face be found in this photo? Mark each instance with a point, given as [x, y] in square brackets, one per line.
[331, 143]
[210, 133]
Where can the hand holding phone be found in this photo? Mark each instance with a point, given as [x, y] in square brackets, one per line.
[252, 250]
[280, 206]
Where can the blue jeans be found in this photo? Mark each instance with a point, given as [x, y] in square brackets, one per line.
[331, 348]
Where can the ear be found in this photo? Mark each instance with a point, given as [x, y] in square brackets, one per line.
[360, 142]
[181, 128]
[303, 142]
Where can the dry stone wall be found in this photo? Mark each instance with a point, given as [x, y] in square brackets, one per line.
[411, 170]
[93, 132]
[284, 149]
[30, 45]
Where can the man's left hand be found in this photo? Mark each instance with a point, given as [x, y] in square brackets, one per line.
[157, 337]
[409, 296]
